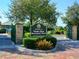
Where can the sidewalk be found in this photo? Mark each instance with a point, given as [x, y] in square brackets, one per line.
[69, 54]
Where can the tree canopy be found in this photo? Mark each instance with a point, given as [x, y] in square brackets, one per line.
[72, 15]
[20, 10]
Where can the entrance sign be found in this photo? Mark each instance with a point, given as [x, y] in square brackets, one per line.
[38, 30]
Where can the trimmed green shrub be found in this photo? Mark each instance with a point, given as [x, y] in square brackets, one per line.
[29, 42]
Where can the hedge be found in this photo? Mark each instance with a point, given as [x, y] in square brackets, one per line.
[30, 42]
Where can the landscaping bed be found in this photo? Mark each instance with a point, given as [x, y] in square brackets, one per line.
[40, 43]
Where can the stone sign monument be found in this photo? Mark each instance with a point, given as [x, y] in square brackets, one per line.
[38, 30]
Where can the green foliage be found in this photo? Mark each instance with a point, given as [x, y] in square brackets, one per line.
[20, 10]
[60, 30]
[69, 31]
[50, 32]
[27, 35]
[25, 30]
[78, 32]
[72, 15]
[2, 30]
[13, 33]
[49, 38]
[44, 45]
[26, 27]
[29, 42]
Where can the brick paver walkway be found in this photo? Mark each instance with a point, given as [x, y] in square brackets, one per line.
[14, 53]
[69, 54]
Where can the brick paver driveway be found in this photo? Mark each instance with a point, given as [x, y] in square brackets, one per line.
[15, 53]
[69, 54]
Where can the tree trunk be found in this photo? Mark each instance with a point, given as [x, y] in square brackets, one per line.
[31, 19]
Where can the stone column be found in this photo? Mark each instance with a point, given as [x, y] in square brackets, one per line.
[19, 32]
[74, 32]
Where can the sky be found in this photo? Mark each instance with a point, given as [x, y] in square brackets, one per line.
[61, 6]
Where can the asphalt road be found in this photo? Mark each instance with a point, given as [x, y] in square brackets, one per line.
[61, 37]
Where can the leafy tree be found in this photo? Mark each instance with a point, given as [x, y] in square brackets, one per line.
[20, 10]
[72, 15]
